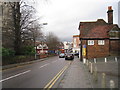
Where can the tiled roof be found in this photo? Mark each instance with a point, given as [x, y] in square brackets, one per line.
[98, 29]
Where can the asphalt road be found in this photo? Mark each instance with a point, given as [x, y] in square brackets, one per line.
[36, 75]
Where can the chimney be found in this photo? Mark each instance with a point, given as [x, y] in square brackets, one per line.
[110, 15]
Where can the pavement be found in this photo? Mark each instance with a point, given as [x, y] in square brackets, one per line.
[110, 69]
[76, 76]
[79, 76]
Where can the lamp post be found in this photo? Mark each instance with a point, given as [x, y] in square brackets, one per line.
[35, 41]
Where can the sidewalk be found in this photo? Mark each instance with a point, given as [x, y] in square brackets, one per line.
[76, 76]
[109, 68]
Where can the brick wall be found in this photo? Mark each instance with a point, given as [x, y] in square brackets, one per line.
[114, 46]
[96, 51]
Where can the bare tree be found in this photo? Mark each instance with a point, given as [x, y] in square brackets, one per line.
[23, 24]
[53, 41]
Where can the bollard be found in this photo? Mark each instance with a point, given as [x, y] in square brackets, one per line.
[87, 62]
[95, 75]
[84, 60]
[94, 60]
[112, 84]
[91, 68]
[103, 80]
[105, 60]
[115, 59]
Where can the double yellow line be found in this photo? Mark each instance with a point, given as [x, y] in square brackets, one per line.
[53, 81]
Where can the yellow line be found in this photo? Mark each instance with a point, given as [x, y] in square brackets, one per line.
[53, 79]
[58, 77]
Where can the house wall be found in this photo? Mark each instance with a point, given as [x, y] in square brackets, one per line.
[114, 47]
[96, 51]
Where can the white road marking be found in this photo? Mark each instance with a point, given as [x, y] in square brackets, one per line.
[44, 65]
[15, 76]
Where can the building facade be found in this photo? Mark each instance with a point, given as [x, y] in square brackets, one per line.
[68, 46]
[42, 48]
[97, 37]
[76, 44]
[7, 25]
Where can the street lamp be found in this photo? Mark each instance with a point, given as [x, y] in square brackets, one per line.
[35, 42]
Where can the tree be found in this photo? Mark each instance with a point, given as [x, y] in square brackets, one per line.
[53, 41]
[24, 24]
[11, 27]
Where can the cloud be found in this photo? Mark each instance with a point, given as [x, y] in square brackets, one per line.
[63, 16]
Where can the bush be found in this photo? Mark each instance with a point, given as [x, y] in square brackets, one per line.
[7, 52]
[28, 50]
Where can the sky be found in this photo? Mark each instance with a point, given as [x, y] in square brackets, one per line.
[63, 16]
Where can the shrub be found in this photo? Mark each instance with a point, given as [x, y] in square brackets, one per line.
[7, 52]
[28, 50]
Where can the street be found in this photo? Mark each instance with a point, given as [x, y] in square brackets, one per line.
[55, 72]
[36, 75]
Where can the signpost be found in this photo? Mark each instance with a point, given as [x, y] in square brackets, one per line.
[84, 53]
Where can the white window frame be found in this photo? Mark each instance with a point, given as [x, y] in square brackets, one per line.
[90, 42]
[101, 42]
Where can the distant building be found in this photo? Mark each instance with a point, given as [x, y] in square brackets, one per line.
[99, 38]
[7, 24]
[68, 46]
[76, 44]
[61, 48]
[42, 48]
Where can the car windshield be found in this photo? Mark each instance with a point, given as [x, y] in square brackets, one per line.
[62, 54]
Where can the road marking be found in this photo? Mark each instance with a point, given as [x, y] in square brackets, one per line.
[15, 76]
[53, 81]
[54, 61]
[58, 77]
[22, 65]
[44, 65]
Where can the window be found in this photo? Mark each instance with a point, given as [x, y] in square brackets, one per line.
[90, 42]
[101, 42]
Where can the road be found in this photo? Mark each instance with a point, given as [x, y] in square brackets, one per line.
[36, 75]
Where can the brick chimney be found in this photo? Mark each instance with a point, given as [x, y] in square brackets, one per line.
[110, 15]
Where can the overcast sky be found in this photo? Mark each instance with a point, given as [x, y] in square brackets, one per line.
[63, 16]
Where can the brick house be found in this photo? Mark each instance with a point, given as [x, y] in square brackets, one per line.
[99, 38]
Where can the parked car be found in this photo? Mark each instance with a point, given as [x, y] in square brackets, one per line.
[61, 55]
[69, 56]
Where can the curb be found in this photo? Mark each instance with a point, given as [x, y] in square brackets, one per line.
[21, 64]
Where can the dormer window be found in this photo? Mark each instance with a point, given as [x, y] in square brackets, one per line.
[114, 33]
